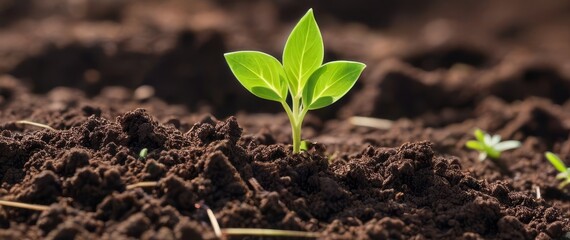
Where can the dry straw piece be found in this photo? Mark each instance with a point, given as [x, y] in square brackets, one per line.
[371, 122]
[142, 184]
[24, 205]
[251, 231]
[35, 124]
[219, 232]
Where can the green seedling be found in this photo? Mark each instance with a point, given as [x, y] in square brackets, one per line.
[302, 77]
[564, 172]
[490, 146]
[304, 145]
[143, 153]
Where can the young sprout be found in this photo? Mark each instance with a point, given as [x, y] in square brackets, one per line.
[143, 153]
[564, 172]
[304, 145]
[490, 146]
[303, 78]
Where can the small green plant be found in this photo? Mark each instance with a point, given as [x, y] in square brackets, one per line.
[302, 78]
[143, 153]
[564, 172]
[304, 145]
[490, 146]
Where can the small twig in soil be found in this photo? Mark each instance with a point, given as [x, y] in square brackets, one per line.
[255, 184]
[24, 205]
[251, 231]
[35, 124]
[142, 184]
[212, 217]
[371, 122]
[268, 232]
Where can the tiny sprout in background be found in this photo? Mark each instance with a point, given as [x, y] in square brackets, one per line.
[143, 153]
[490, 146]
[564, 172]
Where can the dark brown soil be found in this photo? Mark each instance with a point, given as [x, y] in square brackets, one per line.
[438, 69]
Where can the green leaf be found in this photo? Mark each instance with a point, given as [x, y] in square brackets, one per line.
[304, 146]
[259, 73]
[475, 145]
[563, 175]
[492, 153]
[303, 53]
[330, 82]
[495, 139]
[555, 161]
[487, 139]
[143, 153]
[507, 145]
[479, 135]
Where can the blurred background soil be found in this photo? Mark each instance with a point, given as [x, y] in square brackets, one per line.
[448, 54]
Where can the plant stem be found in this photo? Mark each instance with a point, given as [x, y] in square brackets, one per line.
[296, 115]
[296, 126]
[292, 121]
[296, 132]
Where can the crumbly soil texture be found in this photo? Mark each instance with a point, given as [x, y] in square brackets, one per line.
[115, 77]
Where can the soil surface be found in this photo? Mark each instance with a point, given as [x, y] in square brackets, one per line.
[115, 77]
